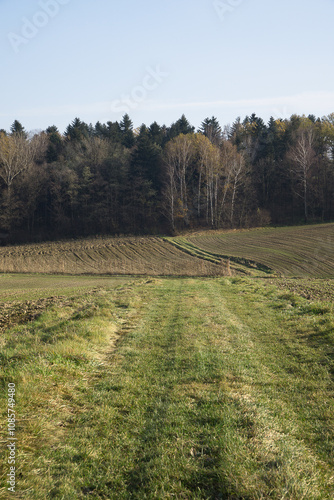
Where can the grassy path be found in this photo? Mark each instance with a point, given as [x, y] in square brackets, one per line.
[218, 388]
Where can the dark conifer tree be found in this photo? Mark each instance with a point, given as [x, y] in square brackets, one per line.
[212, 130]
[77, 130]
[18, 129]
[114, 132]
[144, 182]
[126, 129]
[55, 144]
[156, 133]
[181, 126]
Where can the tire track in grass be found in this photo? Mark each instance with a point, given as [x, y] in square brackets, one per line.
[265, 378]
[157, 371]
[155, 414]
[174, 454]
[239, 437]
[201, 414]
[190, 405]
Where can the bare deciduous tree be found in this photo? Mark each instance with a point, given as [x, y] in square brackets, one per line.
[178, 159]
[17, 155]
[237, 168]
[302, 155]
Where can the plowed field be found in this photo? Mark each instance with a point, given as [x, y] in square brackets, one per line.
[136, 256]
[304, 251]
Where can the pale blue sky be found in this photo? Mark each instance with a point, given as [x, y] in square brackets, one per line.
[157, 59]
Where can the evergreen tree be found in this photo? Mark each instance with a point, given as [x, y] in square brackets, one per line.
[126, 129]
[114, 132]
[212, 130]
[18, 129]
[55, 144]
[236, 133]
[144, 182]
[157, 134]
[101, 130]
[181, 126]
[77, 130]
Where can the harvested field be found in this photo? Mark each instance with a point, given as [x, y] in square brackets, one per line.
[302, 251]
[311, 289]
[21, 287]
[24, 297]
[122, 256]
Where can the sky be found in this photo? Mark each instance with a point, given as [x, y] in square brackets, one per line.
[158, 59]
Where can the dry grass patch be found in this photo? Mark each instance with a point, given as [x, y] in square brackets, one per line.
[53, 361]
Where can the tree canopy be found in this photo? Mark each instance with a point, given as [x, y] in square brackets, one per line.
[110, 178]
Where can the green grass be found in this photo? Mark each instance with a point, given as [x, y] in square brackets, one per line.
[24, 297]
[18, 287]
[175, 388]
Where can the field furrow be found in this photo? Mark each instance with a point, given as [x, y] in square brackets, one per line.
[149, 255]
[293, 251]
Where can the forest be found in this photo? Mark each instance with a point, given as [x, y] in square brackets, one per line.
[114, 179]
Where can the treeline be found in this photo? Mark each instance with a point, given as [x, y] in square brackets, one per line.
[112, 179]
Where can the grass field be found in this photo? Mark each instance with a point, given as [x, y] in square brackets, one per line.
[214, 383]
[194, 388]
[18, 287]
[302, 251]
[23, 297]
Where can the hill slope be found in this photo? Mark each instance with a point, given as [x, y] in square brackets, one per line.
[302, 251]
[140, 255]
